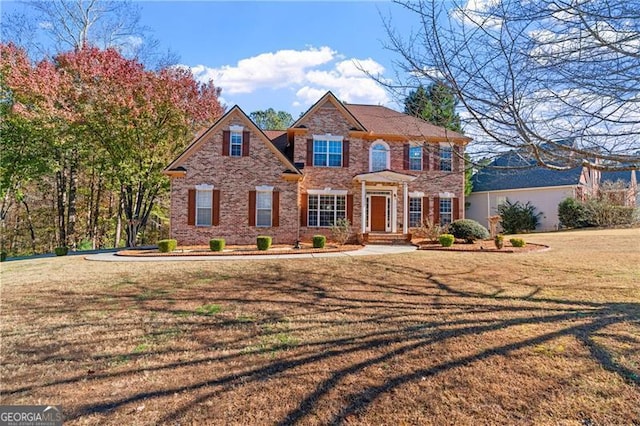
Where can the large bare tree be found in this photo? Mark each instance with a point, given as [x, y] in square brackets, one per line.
[557, 80]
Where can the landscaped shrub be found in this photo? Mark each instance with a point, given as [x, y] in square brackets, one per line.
[446, 240]
[498, 240]
[341, 231]
[319, 241]
[167, 246]
[3, 256]
[604, 213]
[263, 242]
[518, 217]
[572, 213]
[429, 230]
[84, 245]
[468, 230]
[517, 242]
[61, 251]
[216, 244]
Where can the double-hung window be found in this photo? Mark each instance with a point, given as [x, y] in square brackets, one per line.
[415, 158]
[415, 212]
[204, 205]
[235, 150]
[263, 208]
[446, 155]
[325, 209]
[446, 211]
[327, 151]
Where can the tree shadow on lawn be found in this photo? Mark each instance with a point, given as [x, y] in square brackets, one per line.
[410, 312]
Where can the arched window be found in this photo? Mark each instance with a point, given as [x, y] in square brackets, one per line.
[378, 156]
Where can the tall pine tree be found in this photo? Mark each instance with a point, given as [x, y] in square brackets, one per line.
[436, 104]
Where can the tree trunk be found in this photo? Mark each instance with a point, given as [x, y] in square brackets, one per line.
[95, 229]
[119, 220]
[30, 224]
[60, 203]
[71, 208]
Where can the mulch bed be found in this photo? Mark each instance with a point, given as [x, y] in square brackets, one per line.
[238, 250]
[480, 246]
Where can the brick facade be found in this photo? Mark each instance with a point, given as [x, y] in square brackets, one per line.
[235, 177]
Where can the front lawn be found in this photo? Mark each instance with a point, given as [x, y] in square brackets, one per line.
[430, 337]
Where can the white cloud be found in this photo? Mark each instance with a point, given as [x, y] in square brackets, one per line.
[477, 13]
[308, 73]
[350, 80]
[267, 70]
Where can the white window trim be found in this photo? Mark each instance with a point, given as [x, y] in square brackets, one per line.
[413, 195]
[235, 130]
[445, 145]
[269, 190]
[388, 152]
[204, 188]
[443, 196]
[328, 138]
[415, 145]
[326, 191]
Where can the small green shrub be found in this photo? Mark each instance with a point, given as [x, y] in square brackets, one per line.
[216, 244]
[499, 241]
[167, 246]
[468, 230]
[446, 240]
[3, 256]
[319, 241]
[517, 242]
[263, 242]
[572, 213]
[61, 251]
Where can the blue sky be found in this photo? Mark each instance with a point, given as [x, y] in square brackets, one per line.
[280, 54]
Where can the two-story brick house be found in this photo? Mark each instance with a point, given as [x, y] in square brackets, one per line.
[384, 171]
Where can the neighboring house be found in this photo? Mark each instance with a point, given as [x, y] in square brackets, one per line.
[512, 177]
[625, 187]
[384, 171]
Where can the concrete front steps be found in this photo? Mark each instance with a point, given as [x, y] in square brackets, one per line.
[387, 238]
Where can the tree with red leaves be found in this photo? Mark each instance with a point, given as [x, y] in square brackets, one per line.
[104, 106]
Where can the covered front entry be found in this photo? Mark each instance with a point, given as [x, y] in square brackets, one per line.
[380, 193]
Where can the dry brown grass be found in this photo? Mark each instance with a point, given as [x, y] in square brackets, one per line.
[425, 338]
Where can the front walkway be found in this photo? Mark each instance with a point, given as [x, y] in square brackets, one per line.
[368, 250]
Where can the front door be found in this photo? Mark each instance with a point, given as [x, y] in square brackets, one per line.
[378, 213]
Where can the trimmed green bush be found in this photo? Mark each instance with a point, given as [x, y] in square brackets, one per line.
[446, 240]
[3, 256]
[216, 244]
[61, 251]
[167, 246]
[572, 213]
[319, 241]
[468, 230]
[499, 241]
[263, 242]
[517, 242]
[517, 217]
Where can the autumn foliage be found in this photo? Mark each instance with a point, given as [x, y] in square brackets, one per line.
[109, 117]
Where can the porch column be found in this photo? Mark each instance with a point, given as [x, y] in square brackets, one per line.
[405, 210]
[363, 206]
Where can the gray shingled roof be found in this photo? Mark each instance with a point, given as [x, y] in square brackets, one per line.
[517, 172]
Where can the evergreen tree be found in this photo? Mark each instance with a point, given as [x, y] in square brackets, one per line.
[437, 105]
